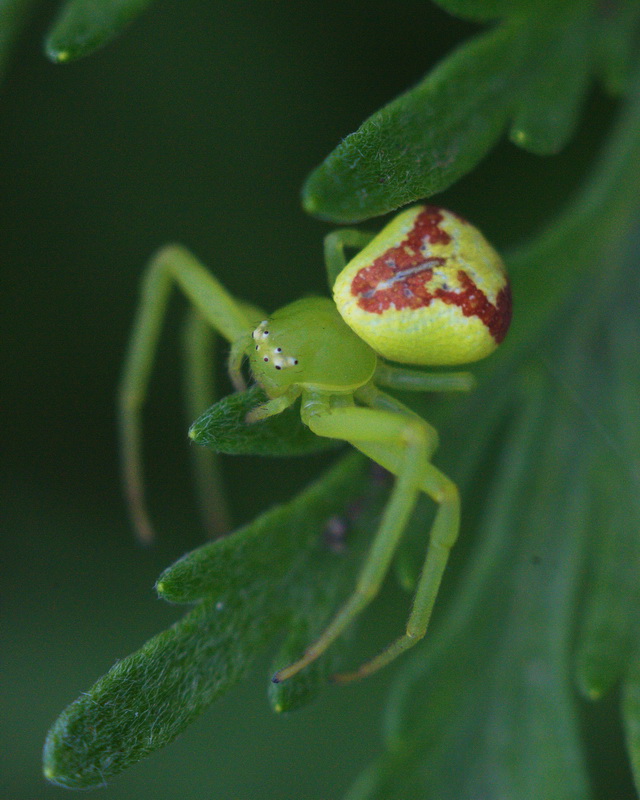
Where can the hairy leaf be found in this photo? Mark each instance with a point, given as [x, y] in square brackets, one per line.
[530, 73]
[487, 707]
[144, 702]
[249, 583]
[223, 428]
[424, 140]
[269, 547]
[328, 576]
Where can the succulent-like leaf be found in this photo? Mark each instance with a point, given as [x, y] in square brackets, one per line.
[223, 428]
[531, 72]
[145, 701]
[250, 585]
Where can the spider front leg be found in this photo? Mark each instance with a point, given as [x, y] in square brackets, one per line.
[334, 247]
[272, 407]
[401, 444]
[216, 308]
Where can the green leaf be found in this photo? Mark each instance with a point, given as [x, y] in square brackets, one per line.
[148, 698]
[486, 10]
[319, 588]
[559, 64]
[609, 617]
[616, 44]
[223, 428]
[83, 26]
[269, 547]
[530, 73]
[301, 688]
[631, 716]
[553, 264]
[483, 709]
[424, 140]
[144, 702]
[486, 707]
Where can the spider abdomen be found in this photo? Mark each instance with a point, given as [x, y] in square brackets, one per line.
[429, 289]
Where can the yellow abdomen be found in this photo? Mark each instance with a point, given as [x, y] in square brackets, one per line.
[429, 289]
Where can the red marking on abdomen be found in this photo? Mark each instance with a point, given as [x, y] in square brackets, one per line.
[381, 287]
[404, 257]
[473, 302]
[400, 277]
[413, 292]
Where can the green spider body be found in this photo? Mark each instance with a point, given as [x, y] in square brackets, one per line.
[427, 290]
[285, 352]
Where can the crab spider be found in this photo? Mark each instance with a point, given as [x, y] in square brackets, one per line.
[427, 290]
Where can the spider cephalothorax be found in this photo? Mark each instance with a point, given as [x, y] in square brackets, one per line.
[427, 290]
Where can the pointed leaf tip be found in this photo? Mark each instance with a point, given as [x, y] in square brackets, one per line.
[83, 26]
[223, 428]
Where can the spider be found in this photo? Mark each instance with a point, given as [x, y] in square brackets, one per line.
[427, 290]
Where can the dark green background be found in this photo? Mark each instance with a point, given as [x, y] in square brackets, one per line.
[199, 125]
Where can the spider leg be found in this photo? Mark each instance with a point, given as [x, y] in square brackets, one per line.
[413, 380]
[444, 533]
[274, 406]
[199, 345]
[218, 309]
[407, 444]
[334, 246]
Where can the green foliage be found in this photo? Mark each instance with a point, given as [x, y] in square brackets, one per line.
[489, 707]
[546, 453]
[147, 699]
[83, 26]
[222, 428]
[528, 75]
[276, 573]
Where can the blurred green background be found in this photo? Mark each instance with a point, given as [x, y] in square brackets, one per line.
[199, 125]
